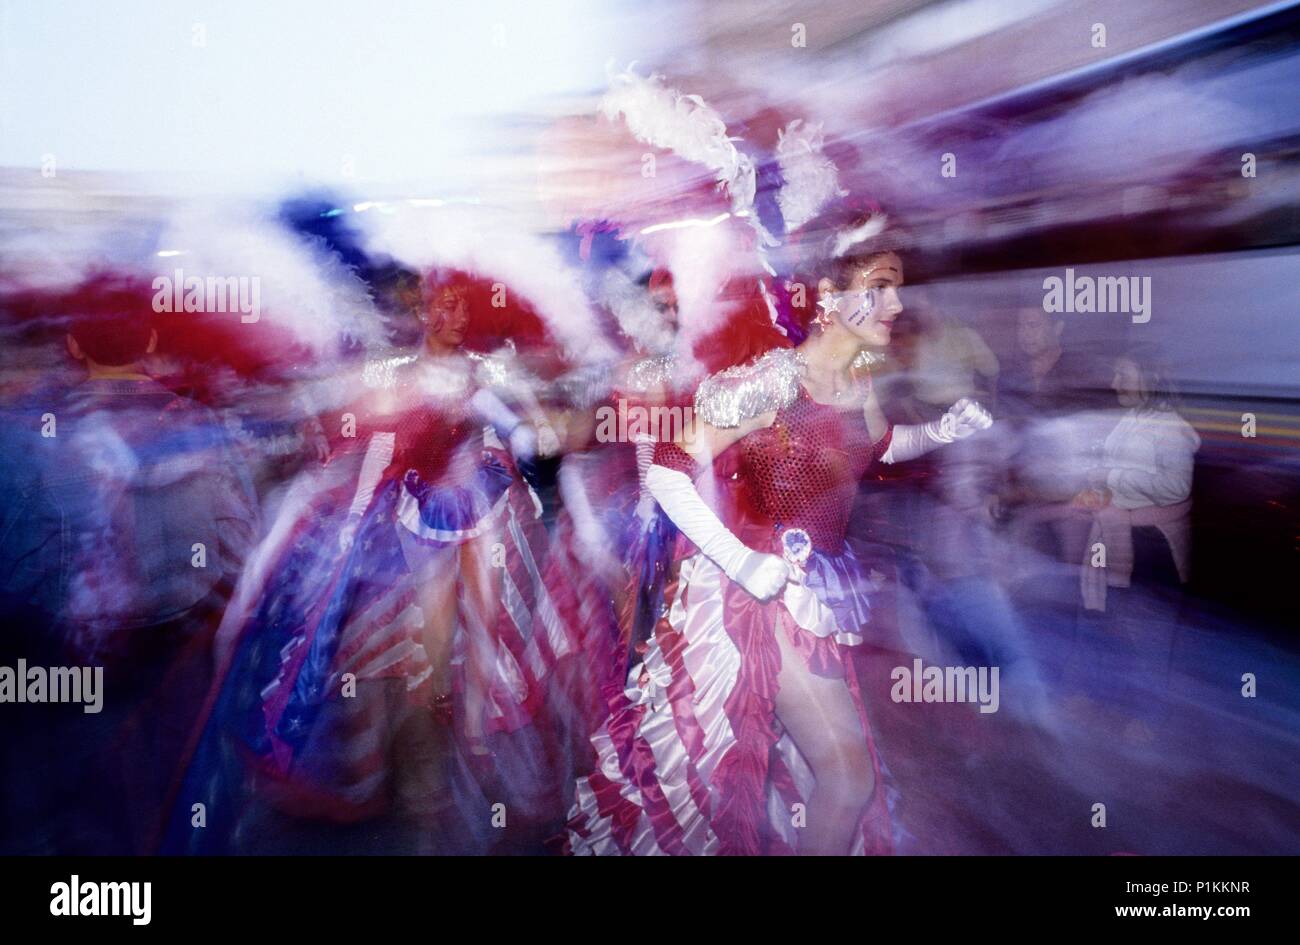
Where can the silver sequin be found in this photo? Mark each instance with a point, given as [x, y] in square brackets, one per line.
[381, 373]
[490, 371]
[866, 359]
[650, 373]
[769, 382]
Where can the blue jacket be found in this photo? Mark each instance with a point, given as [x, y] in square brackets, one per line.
[129, 515]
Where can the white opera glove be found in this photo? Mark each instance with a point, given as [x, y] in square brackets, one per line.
[379, 454]
[645, 508]
[645, 454]
[548, 441]
[525, 442]
[762, 575]
[492, 409]
[348, 533]
[593, 542]
[962, 419]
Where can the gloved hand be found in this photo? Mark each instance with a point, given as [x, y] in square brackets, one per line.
[762, 575]
[523, 443]
[348, 533]
[962, 419]
[548, 443]
[645, 507]
[379, 453]
[526, 442]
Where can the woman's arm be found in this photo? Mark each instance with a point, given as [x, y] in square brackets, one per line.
[548, 444]
[704, 442]
[502, 373]
[877, 424]
[912, 440]
[762, 575]
[525, 441]
[379, 455]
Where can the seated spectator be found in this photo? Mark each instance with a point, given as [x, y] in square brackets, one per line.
[1138, 548]
[1141, 490]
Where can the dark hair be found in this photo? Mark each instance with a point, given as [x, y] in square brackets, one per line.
[111, 320]
[841, 269]
[1056, 318]
[1161, 393]
[393, 279]
[837, 261]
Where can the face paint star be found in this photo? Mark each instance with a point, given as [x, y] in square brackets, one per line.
[830, 303]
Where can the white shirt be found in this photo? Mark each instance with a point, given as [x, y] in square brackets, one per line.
[946, 362]
[1148, 458]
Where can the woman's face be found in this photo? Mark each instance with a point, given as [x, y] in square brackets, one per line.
[1127, 383]
[1036, 333]
[664, 299]
[869, 304]
[448, 317]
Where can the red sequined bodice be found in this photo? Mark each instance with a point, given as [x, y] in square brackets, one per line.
[803, 470]
[430, 441]
[435, 432]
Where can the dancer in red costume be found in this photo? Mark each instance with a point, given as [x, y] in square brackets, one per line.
[381, 603]
[744, 731]
[458, 494]
[611, 544]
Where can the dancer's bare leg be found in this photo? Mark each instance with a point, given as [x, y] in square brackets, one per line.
[482, 583]
[436, 596]
[820, 717]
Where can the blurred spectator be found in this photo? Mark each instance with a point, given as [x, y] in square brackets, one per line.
[950, 361]
[1046, 377]
[1138, 548]
[158, 511]
[138, 519]
[1045, 399]
[1141, 491]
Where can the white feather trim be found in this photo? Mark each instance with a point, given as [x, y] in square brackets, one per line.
[811, 178]
[846, 240]
[683, 124]
[637, 317]
[494, 244]
[304, 286]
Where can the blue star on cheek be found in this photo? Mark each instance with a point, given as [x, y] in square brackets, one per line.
[865, 307]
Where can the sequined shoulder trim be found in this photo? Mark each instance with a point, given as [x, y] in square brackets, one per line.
[769, 382]
[490, 370]
[648, 373]
[382, 372]
[866, 360]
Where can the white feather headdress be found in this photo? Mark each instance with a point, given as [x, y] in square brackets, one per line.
[845, 240]
[304, 286]
[684, 124]
[811, 178]
[493, 243]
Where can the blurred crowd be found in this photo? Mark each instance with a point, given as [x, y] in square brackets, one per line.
[601, 466]
[239, 548]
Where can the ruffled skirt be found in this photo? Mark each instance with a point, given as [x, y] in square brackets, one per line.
[692, 759]
[329, 659]
[606, 576]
